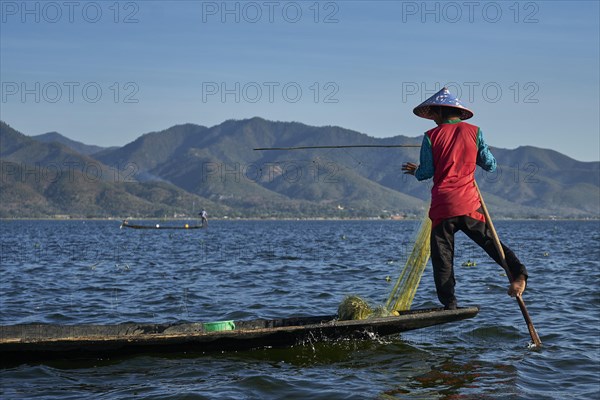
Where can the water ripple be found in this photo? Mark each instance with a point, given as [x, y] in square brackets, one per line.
[75, 272]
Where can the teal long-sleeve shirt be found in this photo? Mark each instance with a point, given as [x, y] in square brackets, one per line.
[485, 158]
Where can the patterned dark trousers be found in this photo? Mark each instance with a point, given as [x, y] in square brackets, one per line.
[442, 253]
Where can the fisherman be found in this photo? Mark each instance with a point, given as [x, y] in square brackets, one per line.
[204, 217]
[449, 155]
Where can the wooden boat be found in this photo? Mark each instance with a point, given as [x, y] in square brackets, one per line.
[126, 224]
[20, 343]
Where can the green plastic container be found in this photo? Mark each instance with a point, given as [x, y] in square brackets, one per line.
[219, 326]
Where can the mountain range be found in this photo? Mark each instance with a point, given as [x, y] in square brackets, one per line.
[72, 144]
[178, 170]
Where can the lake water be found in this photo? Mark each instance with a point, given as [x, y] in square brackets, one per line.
[71, 272]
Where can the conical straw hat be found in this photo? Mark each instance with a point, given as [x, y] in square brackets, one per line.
[445, 99]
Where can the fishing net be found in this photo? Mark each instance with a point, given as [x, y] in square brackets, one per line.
[402, 295]
[404, 290]
[354, 307]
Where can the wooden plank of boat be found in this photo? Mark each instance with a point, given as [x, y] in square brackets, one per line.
[20, 343]
[126, 224]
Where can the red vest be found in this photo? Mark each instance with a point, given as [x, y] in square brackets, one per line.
[454, 148]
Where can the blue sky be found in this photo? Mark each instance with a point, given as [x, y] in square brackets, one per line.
[104, 72]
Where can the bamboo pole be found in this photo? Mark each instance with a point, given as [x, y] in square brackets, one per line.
[338, 147]
[532, 332]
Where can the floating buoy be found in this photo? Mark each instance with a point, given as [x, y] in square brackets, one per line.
[186, 226]
[387, 278]
[157, 226]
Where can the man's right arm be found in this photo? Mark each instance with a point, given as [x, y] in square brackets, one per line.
[425, 170]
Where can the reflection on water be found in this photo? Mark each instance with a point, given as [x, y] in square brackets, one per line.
[91, 272]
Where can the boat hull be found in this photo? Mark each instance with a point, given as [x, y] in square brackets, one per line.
[20, 343]
[126, 224]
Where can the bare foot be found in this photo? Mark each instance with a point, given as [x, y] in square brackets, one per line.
[517, 287]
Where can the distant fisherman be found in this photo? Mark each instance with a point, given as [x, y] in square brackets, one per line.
[449, 155]
[204, 217]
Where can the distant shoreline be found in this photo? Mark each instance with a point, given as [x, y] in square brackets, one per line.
[499, 218]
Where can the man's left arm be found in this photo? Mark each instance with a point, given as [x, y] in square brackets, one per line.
[485, 158]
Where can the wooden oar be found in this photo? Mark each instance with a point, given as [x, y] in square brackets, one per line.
[534, 336]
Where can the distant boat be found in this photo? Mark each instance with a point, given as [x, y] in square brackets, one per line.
[23, 343]
[126, 224]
